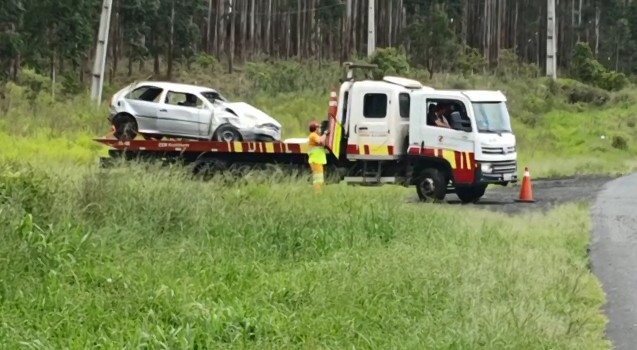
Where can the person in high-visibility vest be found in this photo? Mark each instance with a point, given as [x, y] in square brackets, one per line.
[317, 156]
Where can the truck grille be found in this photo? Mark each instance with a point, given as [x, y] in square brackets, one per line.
[505, 167]
[498, 150]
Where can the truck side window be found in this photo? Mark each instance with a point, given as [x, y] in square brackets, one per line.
[375, 106]
[404, 101]
[457, 116]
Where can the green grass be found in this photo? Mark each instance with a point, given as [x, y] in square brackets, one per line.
[127, 258]
[137, 257]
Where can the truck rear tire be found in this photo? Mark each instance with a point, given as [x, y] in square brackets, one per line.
[470, 194]
[431, 184]
[206, 169]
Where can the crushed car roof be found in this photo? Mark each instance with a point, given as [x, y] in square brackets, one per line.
[176, 86]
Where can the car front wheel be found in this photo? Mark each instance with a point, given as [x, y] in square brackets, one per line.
[227, 133]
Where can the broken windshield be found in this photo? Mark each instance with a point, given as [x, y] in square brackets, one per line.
[213, 96]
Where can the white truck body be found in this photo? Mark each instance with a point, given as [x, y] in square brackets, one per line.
[383, 125]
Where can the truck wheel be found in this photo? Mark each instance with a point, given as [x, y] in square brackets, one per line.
[470, 194]
[125, 127]
[206, 169]
[431, 184]
[227, 133]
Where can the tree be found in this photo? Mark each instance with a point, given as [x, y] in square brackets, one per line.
[433, 42]
[440, 35]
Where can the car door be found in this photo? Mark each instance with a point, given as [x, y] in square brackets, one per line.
[183, 114]
[143, 103]
[371, 118]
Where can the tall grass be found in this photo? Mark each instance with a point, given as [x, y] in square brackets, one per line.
[137, 258]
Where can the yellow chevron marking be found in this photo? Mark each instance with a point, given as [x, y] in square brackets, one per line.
[450, 156]
[336, 143]
[378, 150]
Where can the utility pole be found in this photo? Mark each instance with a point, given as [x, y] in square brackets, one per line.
[551, 40]
[371, 27]
[347, 32]
[100, 52]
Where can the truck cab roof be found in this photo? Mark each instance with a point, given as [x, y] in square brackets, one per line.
[400, 83]
[472, 95]
[394, 82]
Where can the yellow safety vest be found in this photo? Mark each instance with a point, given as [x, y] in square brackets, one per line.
[317, 155]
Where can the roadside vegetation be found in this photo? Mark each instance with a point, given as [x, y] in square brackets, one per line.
[148, 257]
[563, 128]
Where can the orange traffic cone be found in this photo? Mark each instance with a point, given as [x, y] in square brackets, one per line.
[526, 192]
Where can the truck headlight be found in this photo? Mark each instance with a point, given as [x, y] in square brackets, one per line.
[486, 168]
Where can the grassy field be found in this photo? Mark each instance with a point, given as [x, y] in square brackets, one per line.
[131, 258]
[149, 258]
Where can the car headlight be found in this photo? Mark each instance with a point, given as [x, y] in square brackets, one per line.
[486, 168]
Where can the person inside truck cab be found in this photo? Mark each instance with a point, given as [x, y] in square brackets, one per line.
[434, 115]
[431, 115]
[439, 118]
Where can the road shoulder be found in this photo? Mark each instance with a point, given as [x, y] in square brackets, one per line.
[614, 257]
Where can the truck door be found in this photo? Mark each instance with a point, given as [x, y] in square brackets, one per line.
[370, 120]
[457, 141]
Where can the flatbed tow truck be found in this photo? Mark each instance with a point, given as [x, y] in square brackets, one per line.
[379, 132]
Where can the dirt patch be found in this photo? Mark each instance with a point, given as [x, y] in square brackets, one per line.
[547, 193]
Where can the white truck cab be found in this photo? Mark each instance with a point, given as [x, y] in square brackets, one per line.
[385, 131]
[480, 128]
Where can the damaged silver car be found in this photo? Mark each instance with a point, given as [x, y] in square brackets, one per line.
[163, 109]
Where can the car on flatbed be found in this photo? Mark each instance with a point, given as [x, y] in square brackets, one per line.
[156, 109]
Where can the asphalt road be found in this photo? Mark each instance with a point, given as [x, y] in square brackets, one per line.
[547, 193]
[614, 257]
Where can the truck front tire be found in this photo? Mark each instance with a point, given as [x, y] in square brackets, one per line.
[431, 184]
[470, 194]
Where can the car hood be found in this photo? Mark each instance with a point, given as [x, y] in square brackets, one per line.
[256, 115]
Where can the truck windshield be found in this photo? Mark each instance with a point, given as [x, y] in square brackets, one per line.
[492, 117]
